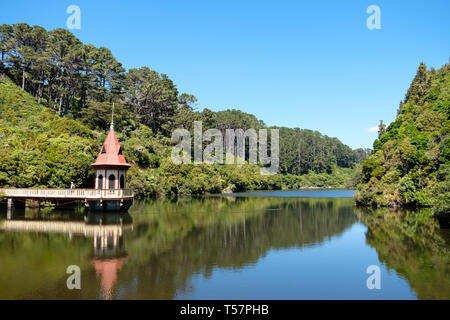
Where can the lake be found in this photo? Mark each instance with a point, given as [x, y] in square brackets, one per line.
[311, 244]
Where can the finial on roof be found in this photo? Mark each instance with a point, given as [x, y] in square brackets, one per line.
[112, 118]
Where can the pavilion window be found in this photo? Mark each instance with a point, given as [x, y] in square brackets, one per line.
[122, 182]
[100, 182]
[112, 181]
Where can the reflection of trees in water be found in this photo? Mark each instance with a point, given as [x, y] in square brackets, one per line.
[173, 242]
[35, 252]
[31, 262]
[238, 233]
[170, 243]
[411, 243]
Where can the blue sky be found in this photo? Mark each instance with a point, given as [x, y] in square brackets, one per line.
[307, 64]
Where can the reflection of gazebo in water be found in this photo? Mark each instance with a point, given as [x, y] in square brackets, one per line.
[107, 269]
[109, 253]
[107, 231]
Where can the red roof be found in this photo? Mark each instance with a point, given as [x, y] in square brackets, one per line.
[109, 153]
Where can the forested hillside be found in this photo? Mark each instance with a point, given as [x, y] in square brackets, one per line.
[56, 98]
[410, 164]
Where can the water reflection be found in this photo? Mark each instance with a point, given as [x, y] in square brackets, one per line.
[177, 241]
[160, 248]
[412, 244]
[106, 232]
[109, 248]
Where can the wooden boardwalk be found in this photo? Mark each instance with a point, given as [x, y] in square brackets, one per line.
[68, 194]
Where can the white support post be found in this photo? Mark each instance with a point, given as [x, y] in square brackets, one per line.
[9, 208]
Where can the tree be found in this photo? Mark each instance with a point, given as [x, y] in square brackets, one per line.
[381, 129]
[6, 33]
[108, 74]
[420, 85]
[65, 51]
[20, 49]
[151, 97]
[184, 115]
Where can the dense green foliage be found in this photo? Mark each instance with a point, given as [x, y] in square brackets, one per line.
[410, 163]
[302, 151]
[38, 148]
[41, 149]
[56, 100]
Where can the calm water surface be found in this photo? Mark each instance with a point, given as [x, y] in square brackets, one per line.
[261, 245]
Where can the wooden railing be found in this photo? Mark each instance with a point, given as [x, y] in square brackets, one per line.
[82, 194]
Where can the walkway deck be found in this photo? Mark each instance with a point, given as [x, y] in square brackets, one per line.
[68, 194]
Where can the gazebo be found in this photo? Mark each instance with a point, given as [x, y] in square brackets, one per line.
[110, 172]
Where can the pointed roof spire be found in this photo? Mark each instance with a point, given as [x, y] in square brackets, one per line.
[111, 152]
[112, 118]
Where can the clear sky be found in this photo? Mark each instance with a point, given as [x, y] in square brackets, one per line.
[307, 64]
